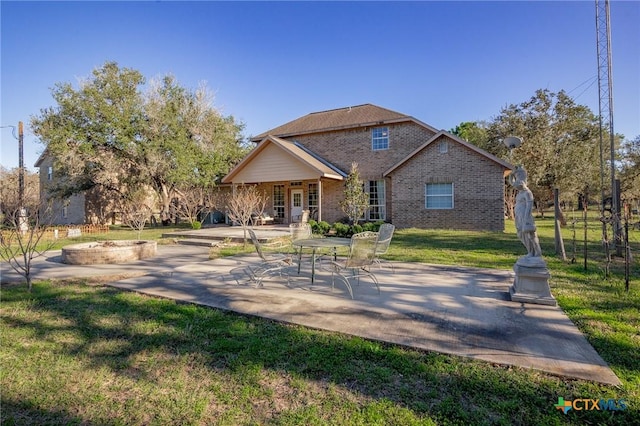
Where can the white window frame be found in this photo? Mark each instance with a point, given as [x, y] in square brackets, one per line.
[278, 201]
[430, 198]
[377, 189]
[380, 138]
[50, 173]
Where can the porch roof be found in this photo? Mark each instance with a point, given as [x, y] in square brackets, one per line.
[275, 159]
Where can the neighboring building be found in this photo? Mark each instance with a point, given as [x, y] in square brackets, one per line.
[66, 211]
[87, 207]
[416, 175]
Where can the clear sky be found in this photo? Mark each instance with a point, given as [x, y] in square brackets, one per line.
[271, 62]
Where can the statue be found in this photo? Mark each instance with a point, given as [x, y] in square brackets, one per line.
[525, 225]
[531, 283]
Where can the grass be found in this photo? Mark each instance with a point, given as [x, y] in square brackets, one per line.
[78, 353]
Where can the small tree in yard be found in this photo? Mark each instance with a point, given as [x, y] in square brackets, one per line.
[356, 201]
[244, 202]
[136, 210]
[195, 201]
[22, 240]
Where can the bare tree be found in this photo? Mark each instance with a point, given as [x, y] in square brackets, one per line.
[21, 240]
[245, 201]
[195, 201]
[136, 209]
[9, 189]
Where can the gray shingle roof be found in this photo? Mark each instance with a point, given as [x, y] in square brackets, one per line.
[341, 118]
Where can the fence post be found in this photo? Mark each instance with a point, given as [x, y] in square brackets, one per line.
[558, 235]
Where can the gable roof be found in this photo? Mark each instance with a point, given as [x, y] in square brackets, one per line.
[338, 119]
[323, 168]
[506, 166]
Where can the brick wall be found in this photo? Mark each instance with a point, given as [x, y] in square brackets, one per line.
[341, 148]
[478, 189]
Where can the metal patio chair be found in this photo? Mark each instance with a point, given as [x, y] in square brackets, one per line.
[299, 231]
[385, 234]
[361, 256]
[271, 264]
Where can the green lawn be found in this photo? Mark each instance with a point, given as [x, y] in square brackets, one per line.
[80, 353]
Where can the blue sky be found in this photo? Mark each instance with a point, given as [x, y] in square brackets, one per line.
[271, 62]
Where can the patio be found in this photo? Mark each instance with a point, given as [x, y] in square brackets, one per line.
[447, 309]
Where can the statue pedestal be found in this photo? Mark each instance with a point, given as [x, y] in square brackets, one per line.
[531, 284]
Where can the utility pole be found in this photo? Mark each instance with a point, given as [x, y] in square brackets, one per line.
[20, 164]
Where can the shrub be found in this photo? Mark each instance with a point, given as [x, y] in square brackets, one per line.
[342, 229]
[356, 229]
[196, 224]
[323, 227]
[370, 226]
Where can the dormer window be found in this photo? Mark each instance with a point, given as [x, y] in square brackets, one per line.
[380, 138]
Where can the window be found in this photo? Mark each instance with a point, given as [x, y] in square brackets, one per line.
[439, 196]
[297, 199]
[278, 201]
[312, 197]
[50, 173]
[377, 200]
[380, 138]
[65, 208]
[443, 147]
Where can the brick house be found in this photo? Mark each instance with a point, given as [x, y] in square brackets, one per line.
[415, 175]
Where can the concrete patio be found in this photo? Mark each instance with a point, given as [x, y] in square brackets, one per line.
[452, 310]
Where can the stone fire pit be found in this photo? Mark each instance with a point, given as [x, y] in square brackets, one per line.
[120, 251]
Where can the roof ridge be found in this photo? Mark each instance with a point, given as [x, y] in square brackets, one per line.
[339, 109]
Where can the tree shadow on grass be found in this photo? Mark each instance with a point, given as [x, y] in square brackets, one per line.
[441, 388]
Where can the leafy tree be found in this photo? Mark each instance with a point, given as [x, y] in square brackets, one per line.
[108, 134]
[477, 133]
[356, 201]
[93, 131]
[560, 143]
[630, 171]
[188, 143]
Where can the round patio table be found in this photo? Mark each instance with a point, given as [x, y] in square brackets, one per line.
[314, 244]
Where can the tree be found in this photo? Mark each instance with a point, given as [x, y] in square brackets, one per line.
[477, 133]
[195, 201]
[93, 131]
[108, 134]
[630, 171]
[187, 142]
[561, 144]
[136, 209]
[9, 190]
[356, 201]
[245, 201]
[19, 245]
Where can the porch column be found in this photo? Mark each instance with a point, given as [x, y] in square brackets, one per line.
[319, 199]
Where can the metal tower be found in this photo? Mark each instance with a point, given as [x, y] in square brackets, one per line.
[605, 110]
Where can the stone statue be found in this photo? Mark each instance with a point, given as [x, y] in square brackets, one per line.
[525, 224]
[531, 281]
